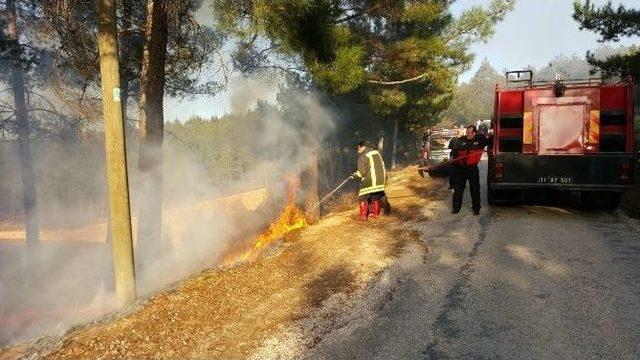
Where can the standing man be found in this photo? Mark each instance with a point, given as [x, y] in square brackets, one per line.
[468, 155]
[372, 175]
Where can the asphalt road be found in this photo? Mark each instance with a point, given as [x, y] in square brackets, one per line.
[524, 282]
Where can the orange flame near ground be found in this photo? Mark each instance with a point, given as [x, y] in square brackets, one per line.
[291, 219]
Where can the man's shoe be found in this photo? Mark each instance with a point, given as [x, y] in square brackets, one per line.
[454, 211]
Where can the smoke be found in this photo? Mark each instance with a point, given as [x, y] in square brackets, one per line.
[246, 92]
[69, 279]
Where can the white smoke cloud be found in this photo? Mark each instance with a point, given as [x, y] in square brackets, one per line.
[70, 280]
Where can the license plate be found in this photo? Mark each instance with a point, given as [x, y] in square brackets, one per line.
[556, 180]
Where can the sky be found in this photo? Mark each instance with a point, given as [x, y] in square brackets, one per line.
[532, 34]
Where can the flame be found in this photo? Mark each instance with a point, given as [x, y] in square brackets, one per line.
[291, 219]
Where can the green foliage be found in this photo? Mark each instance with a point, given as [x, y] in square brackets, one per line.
[403, 56]
[387, 101]
[426, 12]
[623, 64]
[212, 142]
[300, 27]
[477, 23]
[611, 23]
[72, 27]
[343, 74]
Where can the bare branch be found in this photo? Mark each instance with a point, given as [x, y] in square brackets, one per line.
[398, 82]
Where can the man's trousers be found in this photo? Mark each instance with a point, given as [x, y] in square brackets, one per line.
[466, 173]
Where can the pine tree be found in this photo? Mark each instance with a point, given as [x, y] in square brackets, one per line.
[611, 24]
[404, 56]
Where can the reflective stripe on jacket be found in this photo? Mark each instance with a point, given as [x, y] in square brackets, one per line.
[371, 172]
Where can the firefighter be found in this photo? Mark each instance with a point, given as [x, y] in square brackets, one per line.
[469, 152]
[372, 175]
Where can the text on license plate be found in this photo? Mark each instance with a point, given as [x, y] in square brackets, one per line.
[556, 180]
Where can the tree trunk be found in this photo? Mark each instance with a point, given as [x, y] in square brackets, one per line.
[395, 145]
[310, 179]
[152, 129]
[22, 122]
[311, 182]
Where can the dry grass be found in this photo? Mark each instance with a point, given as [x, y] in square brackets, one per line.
[230, 312]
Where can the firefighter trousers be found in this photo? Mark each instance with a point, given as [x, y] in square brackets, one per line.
[371, 197]
[466, 173]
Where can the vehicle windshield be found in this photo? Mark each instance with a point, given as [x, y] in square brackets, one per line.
[439, 143]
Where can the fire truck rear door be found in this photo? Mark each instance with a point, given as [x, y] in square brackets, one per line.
[561, 125]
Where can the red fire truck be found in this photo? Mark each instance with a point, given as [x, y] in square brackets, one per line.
[562, 136]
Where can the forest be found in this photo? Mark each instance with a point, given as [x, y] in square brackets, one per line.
[342, 71]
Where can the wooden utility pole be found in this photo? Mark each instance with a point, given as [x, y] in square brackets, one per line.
[120, 213]
[22, 122]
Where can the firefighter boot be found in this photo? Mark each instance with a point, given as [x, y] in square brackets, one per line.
[364, 211]
[376, 205]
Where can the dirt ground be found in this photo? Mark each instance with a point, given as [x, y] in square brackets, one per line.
[231, 312]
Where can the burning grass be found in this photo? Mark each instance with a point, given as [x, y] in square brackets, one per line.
[290, 220]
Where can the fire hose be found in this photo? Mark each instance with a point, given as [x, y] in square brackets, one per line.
[343, 183]
[431, 168]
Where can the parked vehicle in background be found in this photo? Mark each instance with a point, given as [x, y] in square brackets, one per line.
[484, 127]
[436, 151]
[567, 135]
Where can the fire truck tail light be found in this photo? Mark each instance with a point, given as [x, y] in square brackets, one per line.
[625, 173]
[499, 171]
